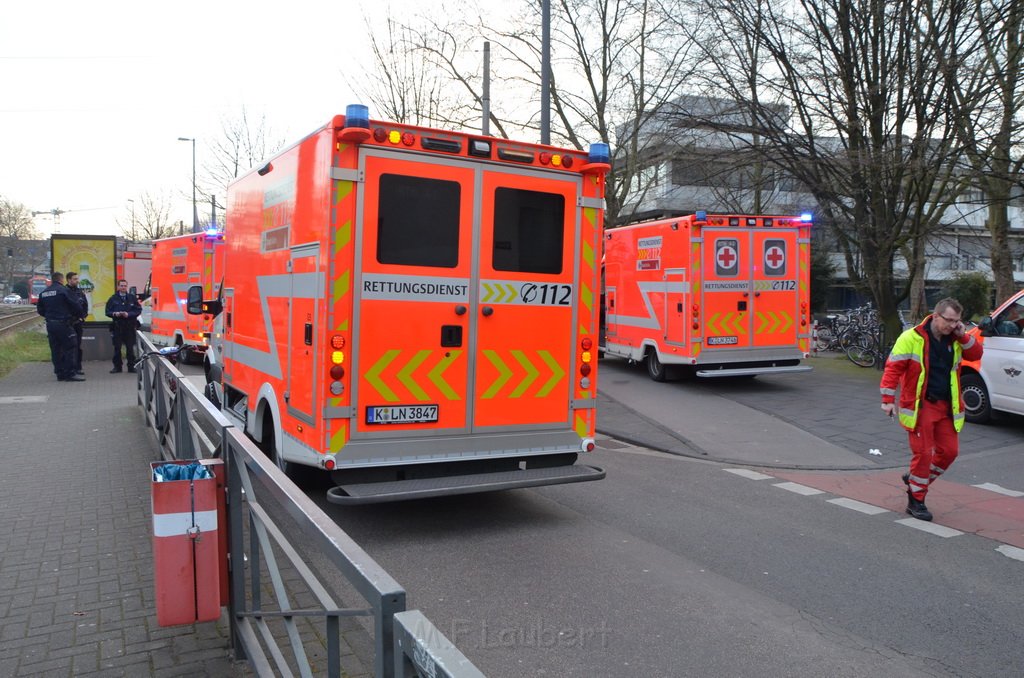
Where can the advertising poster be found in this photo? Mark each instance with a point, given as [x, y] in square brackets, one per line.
[93, 257]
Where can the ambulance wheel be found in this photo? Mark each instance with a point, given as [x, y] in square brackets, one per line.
[210, 391]
[656, 370]
[269, 447]
[977, 406]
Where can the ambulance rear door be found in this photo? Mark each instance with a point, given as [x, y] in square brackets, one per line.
[726, 290]
[776, 311]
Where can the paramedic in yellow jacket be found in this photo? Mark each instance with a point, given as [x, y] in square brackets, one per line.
[925, 367]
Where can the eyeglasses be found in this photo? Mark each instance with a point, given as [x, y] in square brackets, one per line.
[950, 320]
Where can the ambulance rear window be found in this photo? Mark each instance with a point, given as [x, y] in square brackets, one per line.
[418, 221]
[529, 228]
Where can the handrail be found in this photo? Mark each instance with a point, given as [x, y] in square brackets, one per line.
[187, 426]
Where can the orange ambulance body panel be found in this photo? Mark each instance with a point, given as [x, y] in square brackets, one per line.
[408, 308]
[715, 295]
[178, 263]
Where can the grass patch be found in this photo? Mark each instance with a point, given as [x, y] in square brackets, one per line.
[23, 347]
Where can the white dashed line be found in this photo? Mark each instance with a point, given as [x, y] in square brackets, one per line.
[1011, 552]
[931, 528]
[799, 489]
[858, 506]
[992, 487]
[747, 473]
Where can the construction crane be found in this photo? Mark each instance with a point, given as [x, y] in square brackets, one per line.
[56, 212]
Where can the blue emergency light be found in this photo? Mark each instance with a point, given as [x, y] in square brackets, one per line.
[806, 216]
[599, 153]
[357, 115]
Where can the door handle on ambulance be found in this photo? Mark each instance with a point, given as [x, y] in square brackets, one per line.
[487, 311]
[460, 310]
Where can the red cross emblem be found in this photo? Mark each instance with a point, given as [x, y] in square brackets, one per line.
[726, 256]
[774, 257]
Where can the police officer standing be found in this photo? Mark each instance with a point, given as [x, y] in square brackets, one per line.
[124, 309]
[79, 325]
[61, 311]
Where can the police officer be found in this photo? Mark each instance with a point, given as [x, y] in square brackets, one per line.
[61, 311]
[124, 309]
[79, 325]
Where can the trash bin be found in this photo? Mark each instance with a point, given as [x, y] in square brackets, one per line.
[186, 543]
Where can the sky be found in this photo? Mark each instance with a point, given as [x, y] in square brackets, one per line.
[95, 95]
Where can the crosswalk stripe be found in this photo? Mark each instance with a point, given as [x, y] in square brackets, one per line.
[992, 487]
[799, 489]
[858, 506]
[931, 528]
[1011, 552]
[747, 473]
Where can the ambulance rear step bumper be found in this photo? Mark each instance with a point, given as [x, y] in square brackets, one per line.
[423, 488]
[748, 371]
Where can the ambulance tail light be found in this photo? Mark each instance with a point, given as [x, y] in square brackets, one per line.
[588, 445]
[586, 358]
[696, 317]
[337, 369]
[803, 314]
[329, 463]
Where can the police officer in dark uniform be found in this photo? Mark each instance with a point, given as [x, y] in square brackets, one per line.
[61, 311]
[79, 325]
[124, 309]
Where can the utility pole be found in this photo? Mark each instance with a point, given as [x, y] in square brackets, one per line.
[545, 73]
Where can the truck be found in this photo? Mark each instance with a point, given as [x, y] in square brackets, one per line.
[178, 263]
[995, 383]
[709, 295]
[413, 310]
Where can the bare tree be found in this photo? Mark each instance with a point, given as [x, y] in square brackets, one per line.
[17, 236]
[869, 135]
[988, 95]
[150, 219]
[245, 142]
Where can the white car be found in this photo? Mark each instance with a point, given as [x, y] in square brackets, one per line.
[996, 382]
[12, 299]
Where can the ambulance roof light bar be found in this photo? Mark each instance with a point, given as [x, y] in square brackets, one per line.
[806, 217]
[357, 115]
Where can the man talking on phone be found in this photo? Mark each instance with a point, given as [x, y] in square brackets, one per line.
[925, 367]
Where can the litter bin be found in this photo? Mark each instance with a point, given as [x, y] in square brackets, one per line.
[186, 543]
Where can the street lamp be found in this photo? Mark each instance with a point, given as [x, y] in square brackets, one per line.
[195, 209]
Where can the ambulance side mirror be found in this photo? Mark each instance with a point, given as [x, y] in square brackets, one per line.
[986, 326]
[195, 304]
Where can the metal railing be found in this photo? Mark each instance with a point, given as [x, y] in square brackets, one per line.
[405, 642]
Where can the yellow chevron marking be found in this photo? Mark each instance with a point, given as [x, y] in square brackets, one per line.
[341, 287]
[787, 320]
[712, 323]
[344, 188]
[582, 428]
[760, 322]
[507, 292]
[556, 376]
[373, 375]
[531, 373]
[488, 292]
[436, 375]
[339, 438]
[587, 296]
[588, 254]
[504, 374]
[405, 374]
[343, 236]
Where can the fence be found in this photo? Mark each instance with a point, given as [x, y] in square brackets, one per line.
[405, 643]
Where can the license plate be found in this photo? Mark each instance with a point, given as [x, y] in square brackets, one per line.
[401, 414]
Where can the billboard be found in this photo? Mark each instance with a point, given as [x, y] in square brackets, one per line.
[93, 257]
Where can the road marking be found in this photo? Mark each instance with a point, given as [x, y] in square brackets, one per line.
[1011, 552]
[12, 400]
[799, 489]
[992, 487]
[747, 473]
[858, 506]
[931, 528]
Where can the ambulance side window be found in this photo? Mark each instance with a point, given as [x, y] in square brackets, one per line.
[529, 230]
[418, 221]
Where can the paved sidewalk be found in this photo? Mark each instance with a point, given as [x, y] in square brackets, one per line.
[76, 579]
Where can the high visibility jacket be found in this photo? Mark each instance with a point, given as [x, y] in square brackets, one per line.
[907, 368]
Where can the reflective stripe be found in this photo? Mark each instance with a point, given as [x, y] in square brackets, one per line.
[903, 356]
[888, 391]
[178, 524]
[971, 341]
[907, 413]
[917, 480]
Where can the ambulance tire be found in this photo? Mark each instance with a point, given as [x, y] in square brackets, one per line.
[269, 447]
[210, 391]
[977, 405]
[656, 370]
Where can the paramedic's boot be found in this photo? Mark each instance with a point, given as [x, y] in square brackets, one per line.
[906, 479]
[917, 509]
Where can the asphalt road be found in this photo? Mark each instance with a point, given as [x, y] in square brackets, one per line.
[718, 557]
